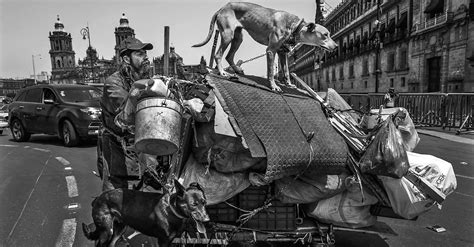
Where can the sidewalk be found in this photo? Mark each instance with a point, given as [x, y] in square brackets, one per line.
[447, 134]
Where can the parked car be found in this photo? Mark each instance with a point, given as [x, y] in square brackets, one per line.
[3, 118]
[71, 112]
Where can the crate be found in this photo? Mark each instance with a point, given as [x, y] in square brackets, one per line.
[278, 217]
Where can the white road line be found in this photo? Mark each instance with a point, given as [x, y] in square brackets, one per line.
[68, 168]
[63, 161]
[459, 193]
[42, 150]
[7, 145]
[466, 177]
[68, 231]
[27, 200]
[71, 186]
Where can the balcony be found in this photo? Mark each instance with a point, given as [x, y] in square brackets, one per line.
[438, 20]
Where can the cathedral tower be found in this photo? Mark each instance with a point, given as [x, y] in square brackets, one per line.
[63, 62]
[121, 33]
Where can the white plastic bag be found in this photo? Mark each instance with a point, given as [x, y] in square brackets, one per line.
[346, 209]
[406, 199]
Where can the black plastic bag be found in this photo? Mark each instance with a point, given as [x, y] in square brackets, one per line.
[386, 154]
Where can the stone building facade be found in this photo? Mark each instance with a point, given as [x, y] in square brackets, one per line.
[412, 46]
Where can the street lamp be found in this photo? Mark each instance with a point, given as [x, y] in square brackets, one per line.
[378, 47]
[86, 35]
[33, 60]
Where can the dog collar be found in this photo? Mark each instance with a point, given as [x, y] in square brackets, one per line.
[292, 39]
[174, 207]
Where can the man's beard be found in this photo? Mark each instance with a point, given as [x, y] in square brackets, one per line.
[142, 71]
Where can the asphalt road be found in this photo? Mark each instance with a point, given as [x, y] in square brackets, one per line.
[46, 190]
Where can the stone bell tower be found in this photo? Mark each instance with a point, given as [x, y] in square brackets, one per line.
[122, 32]
[62, 55]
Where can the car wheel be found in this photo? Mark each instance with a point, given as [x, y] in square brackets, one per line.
[69, 135]
[1, 132]
[19, 132]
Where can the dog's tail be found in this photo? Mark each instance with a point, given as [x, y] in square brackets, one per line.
[211, 28]
[91, 235]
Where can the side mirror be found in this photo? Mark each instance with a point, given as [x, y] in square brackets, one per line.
[49, 101]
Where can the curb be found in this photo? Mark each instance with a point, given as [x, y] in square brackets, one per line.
[449, 137]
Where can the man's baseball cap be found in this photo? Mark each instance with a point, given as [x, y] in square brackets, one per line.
[134, 44]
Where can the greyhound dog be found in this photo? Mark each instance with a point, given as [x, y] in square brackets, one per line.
[158, 215]
[276, 29]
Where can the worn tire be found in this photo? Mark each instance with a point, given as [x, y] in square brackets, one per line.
[69, 134]
[19, 132]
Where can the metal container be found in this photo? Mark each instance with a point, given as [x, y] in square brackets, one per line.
[158, 126]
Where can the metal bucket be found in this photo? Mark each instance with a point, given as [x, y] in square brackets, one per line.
[158, 126]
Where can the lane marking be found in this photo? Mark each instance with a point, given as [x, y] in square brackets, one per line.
[42, 150]
[63, 161]
[8, 145]
[27, 200]
[459, 193]
[466, 177]
[72, 206]
[68, 231]
[71, 186]
[67, 168]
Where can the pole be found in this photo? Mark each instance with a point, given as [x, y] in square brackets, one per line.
[377, 49]
[90, 47]
[166, 55]
[34, 71]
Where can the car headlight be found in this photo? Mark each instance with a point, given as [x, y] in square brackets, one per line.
[93, 112]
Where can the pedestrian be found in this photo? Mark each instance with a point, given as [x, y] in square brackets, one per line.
[389, 98]
[112, 152]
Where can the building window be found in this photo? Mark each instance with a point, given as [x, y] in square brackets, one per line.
[327, 75]
[365, 67]
[403, 63]
[341, 72]
[333, 74]
[342, 85]
[365, 84]
[391, 82]
[391, 61]
[352, 85]
[403, 82]
[351, 71]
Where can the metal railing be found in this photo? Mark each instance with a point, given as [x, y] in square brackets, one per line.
[451, 110]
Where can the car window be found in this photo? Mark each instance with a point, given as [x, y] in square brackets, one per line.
[79, 94]
[33, 95]
[48, 94]
[21, 97]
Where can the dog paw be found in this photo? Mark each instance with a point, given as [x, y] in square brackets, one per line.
[276, 88]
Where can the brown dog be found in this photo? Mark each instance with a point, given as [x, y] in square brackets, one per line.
[158, 215]
[276, 29]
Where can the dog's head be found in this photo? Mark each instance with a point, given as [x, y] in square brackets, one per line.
[317, 35]
[193, 201]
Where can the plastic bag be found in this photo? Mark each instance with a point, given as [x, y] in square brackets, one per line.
[224, 153]
[345, 209]
[218, 187]
[386, 154]
[406, 199]
[407, 129]
[309, 189]
[403, 122]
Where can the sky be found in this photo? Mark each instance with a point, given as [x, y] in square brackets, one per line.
[25, 27]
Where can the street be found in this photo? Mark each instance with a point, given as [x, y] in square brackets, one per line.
[46, 191]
